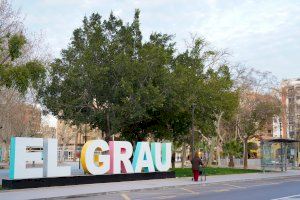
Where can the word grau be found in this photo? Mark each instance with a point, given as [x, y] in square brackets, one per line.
[97, 157]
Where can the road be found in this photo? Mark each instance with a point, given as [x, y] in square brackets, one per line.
[268, 189]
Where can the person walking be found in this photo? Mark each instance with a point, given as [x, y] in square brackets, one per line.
[196, 163]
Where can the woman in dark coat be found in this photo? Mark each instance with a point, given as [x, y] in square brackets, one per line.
[196, 162]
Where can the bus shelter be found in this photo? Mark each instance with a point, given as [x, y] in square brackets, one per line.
[279, 154]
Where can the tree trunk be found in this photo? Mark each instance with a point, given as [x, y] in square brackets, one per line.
[173, 159]
[183, 155]
[231, 163]
[63, 152]
[219, 139]
[211, 151]
[75, 146]
[108, 125]
[245, 154]
[218, 155]
[6, 151]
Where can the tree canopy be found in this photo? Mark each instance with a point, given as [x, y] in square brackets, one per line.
[14, 70]
[112, 78]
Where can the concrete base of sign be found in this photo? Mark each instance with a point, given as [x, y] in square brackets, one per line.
[77, 180]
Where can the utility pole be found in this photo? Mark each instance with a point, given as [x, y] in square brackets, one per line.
[193, 130]
[281, 149]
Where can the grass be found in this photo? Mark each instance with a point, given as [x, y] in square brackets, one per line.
[187, 172]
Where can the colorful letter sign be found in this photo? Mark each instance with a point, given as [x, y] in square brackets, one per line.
[88, 159]
[161, 155]
[50, 160]
[142, 158]
[120, 153]
[97, 157]
[19, 156]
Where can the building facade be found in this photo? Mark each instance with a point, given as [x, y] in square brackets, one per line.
[287, 125]
[71, 139]
[290, 117]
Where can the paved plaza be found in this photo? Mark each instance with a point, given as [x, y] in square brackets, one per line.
[119, 190]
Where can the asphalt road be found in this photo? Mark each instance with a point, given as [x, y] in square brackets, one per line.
[270, 189]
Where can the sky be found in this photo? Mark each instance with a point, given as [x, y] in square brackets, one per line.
[263, 34]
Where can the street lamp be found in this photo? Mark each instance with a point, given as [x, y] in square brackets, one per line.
[193, 130]
[281, 148]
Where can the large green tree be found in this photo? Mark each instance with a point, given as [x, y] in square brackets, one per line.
[196, 83]
[111, 78]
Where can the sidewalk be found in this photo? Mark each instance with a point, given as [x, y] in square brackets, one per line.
[36, 193]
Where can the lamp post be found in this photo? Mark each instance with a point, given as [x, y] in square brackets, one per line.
[193, 130]
[281, 148]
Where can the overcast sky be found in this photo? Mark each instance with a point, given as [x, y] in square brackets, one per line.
[260, 34]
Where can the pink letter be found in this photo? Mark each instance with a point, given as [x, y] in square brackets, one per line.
[120, 153]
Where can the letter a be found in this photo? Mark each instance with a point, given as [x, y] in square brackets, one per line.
[142, 158]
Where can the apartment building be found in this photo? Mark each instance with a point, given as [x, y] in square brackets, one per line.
[290, 117]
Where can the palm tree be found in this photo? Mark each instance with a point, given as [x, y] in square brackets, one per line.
[232, 149]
